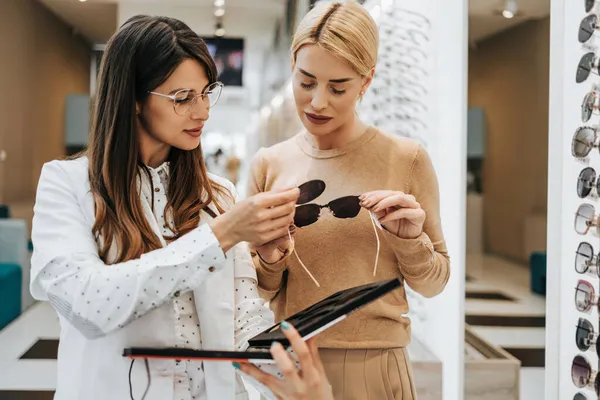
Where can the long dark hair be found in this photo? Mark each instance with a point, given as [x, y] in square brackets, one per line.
[140, 56]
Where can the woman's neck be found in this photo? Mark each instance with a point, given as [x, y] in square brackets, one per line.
[153, 153]
[340, 137]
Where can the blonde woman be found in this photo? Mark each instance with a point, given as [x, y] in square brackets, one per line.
[347, 170]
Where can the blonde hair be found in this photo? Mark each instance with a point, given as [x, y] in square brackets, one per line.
[343, 28]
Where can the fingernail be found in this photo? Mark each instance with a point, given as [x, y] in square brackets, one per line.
[236, 365]
[292, 228]
[273, 345]
[285, 325]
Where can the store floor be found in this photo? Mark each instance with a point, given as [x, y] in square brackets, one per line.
[499, 307]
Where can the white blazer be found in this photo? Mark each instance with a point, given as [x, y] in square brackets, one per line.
[104, 309]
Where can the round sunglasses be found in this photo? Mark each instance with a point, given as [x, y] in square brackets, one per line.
[589, 5]
[587, 28]
[585, 218]
[585, 296]
[585, 336]
[587, 64]
[583, 375]
[587, 182]
[585, 259]
[580, 396]
[584, 140]
[590, 106]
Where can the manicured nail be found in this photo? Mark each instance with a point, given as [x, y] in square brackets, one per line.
[285, 325]
[236, 365]
[274, 344]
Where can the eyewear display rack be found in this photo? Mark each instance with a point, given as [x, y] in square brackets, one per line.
[573, 204]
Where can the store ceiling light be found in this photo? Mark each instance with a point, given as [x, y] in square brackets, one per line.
[220, 32]
[219, 12]
[219, 3]
[510, 9]
[82, 1]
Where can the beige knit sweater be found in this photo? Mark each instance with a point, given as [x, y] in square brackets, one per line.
[341, 253]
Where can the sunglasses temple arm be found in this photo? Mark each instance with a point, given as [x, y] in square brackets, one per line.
[301, 263]
[378, 244]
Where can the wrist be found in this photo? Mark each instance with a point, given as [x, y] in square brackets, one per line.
[223, 233]
[272, 256]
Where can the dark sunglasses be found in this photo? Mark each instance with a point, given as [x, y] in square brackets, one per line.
[580, 396]
[587, 28]
[585, 337]
[589, 5]
[587, 64]
[584, 140]
[590, 106]
[586, 182]
[307, 214]
[586, 259]
[583, 375]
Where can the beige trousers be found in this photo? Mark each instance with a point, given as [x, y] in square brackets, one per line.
[372, 374]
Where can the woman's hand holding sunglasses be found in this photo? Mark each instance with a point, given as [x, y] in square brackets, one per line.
[398, 212]
[275, 250]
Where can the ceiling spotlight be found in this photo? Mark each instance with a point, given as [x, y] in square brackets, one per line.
[219, 12]
[82, 1]
[510, 9]
[219, 3]
[220, 32]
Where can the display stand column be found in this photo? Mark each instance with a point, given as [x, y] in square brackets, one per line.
[572, 268]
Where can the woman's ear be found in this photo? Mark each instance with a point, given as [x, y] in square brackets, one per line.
[137, 108]
[367, 81]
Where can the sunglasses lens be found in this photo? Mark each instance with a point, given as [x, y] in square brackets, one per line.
[583, 257]
[345, 207]
[310, 191]
[580, 372]
[306, 214]
[583, 333]
[587, 107]
[580, 396]
[583, 141]
[583, 218]
[589, 4]
[584, 67]
[587, 28]
[583, 297]
[585, 182]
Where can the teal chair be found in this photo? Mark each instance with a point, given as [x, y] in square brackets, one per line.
[11, 281]
[537, 269]
[13, 251]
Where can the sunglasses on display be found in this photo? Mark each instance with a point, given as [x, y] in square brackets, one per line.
[588, 182]
[584, 140]
[580, 396]
[585, 336]
[589, 5]
[585, 218]
[185, 100]
[587, 64]
[587, 28]
[585, 296]
[411, 17]
[583, 375]
[585, 259]
[590, 105]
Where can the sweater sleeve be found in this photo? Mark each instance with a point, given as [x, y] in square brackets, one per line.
[270, 276]
[423, 261]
